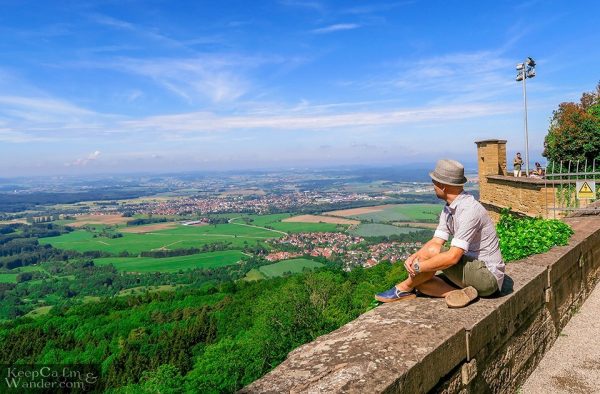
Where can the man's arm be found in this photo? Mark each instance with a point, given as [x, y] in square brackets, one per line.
[441, 235]
[424, 251]
[442, 261]
[465, 234]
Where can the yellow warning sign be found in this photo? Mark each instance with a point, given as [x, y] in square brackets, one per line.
[586, 190]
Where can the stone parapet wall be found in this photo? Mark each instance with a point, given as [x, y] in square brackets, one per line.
[525, 196]
[421, 346]
[499, 190]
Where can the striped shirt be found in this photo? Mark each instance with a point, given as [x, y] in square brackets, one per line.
[473, 231]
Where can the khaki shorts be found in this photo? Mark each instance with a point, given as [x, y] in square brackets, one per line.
[471, 272]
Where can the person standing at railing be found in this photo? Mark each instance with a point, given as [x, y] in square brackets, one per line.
[517, 163]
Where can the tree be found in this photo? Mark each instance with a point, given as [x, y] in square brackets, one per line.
[574, 132]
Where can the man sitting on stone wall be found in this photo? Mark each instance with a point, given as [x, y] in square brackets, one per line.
[473, 262]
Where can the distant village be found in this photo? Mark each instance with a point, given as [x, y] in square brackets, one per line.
[352, 250]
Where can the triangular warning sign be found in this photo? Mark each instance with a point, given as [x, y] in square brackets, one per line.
[585, 188]
[585, 191]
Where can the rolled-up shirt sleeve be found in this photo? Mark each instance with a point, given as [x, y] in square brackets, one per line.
[442, 231]
[466, 233]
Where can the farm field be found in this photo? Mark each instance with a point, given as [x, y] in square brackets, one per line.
[171, 264]
[293, 265]
[416, 225]
[148, 228]
[276, 222]
[377, 230]
[319, 219]
[179, 237]
[392, 213]
[11, 277]
[99, 219]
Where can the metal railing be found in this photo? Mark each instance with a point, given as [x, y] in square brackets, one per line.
[560, 181]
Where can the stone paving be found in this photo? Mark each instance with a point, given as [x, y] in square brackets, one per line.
[573, 363]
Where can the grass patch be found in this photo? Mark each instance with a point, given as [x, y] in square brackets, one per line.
[285, 266]
[180, 237]
[87, 299]
[30, 268]
[41, 311]
[143, 289]
[253, 274]
[8, 278]
[173, 264]
[403, 213]
[274, 221]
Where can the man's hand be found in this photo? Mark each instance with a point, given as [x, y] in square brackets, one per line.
[408, 264]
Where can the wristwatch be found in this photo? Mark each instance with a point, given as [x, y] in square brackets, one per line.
[416, 267]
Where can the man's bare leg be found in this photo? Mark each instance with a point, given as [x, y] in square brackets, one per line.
[435, 287]
[415, 281]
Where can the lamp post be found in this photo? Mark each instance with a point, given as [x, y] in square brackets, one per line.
[526, 70]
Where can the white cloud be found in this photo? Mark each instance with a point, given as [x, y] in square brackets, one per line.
[292, 120]
[85, 160]
[336, 27]
[219, 78]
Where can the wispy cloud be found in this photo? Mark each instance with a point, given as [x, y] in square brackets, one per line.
[218, 78]
[16, 137]
[85, 160]
[152, 34]
[336, 27]
[192, 79]
[209, 122]
[454, 77]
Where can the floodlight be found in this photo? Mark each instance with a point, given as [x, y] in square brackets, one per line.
[526, 70]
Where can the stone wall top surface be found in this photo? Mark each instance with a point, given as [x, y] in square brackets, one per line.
[408, 346]
[491, 141]
[526, 180]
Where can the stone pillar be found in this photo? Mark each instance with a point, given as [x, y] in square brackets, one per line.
[491, 160]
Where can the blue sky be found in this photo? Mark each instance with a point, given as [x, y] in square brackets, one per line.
[124, 86]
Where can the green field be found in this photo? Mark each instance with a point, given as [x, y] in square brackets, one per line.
[403, 213]
[41, 311]
[143, 289]
[377, 230]
[293, 265]
[12, 277]
[254, 274]
[172, 264]
[274, 221]
[180, 237]
[8, 278]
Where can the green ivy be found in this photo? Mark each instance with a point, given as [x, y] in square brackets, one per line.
[522, 237]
